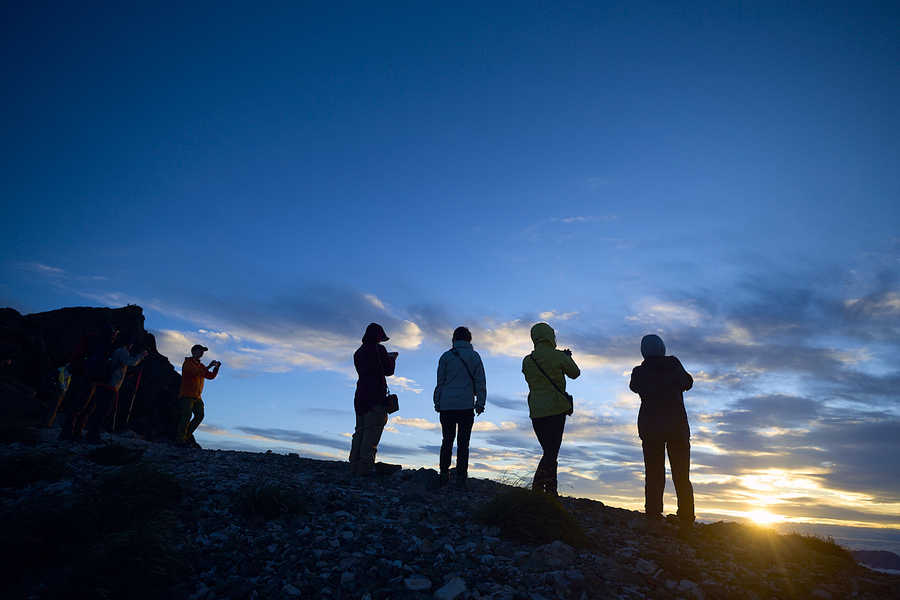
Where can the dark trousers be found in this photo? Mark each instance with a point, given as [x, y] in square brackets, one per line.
[81, 408]
[456, 423]
[549, 432]
[679, 450]
[106, 398]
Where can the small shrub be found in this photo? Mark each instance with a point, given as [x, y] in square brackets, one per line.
[533, 518]
[270, 500]
[137, 563]
[823, 545]
[22, 468]
[131, 494]
[113, 455]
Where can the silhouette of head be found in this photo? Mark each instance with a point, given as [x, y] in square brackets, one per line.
[652, 345]
[375, 333]
[462, 333]
[125, 339]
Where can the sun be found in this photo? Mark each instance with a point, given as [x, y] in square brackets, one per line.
[761, 517]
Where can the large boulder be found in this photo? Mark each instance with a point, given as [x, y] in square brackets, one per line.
[39, 343]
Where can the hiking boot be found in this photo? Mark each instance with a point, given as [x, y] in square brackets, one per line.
[443, 479]
[462, 484]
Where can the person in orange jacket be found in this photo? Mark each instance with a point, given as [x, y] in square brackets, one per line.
[193, 376]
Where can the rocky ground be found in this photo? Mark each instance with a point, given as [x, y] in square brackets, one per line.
[393, 537]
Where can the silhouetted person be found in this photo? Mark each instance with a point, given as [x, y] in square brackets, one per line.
[545, 370]
[193, 375]
[373, 364]
[460, 392]
[108, 392]
[84, 404]
[663, 426]
[63, 382]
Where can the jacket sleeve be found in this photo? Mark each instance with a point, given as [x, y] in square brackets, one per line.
[441, 378]
[480, 383]
[387, 361]
[191, 369]
[126, 359]
[569, 367]
[687, 381]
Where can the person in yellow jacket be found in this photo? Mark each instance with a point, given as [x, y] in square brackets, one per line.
[193, 376]
[545, 370]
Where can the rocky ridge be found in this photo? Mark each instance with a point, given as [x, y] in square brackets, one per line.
[397, 537]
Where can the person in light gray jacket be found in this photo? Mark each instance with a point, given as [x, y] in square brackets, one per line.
[461, 392]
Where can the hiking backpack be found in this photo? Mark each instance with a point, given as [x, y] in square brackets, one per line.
[80, 357]
[49, 385]
[100, 368]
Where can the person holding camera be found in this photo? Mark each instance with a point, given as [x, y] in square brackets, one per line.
[373, 365]
[193, 376]
[545, 370]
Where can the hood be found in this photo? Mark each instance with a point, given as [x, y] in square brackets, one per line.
[542, 332]
[375, 333]
[652, 345]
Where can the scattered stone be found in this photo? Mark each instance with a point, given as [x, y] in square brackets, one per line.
[374, 538]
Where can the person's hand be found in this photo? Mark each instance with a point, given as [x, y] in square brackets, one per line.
[479, 410]
[567, 352]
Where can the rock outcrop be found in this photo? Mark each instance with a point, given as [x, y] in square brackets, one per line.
[39, 343]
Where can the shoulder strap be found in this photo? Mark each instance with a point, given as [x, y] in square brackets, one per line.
[468, 372]
[566, 396]
[378, 356]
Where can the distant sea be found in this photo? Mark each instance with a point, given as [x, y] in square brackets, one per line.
[855, 538]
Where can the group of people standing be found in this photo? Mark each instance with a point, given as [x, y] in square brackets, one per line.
[461, 393]
[99, 365]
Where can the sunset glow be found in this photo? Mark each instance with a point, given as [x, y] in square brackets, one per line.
[270, 178]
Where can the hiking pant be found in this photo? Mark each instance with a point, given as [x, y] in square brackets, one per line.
[679, 450]
[369, 427]
[82, 407]
[187, 425]
[53, 403]
[549, 432]
[450, 421]
[106, 398]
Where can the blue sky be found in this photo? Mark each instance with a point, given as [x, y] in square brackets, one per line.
[268, 179]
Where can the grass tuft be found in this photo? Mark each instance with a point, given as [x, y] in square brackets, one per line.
[114, 454]
[823, 545]
[270, 500]
[137, 563]
[532, 518]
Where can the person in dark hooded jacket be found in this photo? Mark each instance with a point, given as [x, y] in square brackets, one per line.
[373, 364]
[663, 427]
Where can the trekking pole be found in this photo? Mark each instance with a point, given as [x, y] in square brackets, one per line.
[134, 395]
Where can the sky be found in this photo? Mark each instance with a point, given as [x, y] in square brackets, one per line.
[268, 179]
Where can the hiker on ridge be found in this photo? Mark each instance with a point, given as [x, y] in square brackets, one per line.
[193, 375]
[545, 370]
[84, 403]
[373, 364]
[460, 393]
[107, 393]
[663, 427]
[63, 382]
